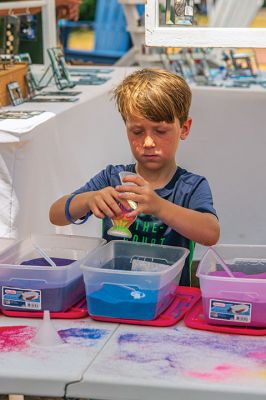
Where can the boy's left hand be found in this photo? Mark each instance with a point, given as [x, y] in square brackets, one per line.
[148, 202]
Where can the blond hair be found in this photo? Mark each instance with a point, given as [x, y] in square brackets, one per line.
[155, 94]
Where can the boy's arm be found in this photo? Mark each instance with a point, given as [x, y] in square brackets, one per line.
[201, 227]
[77, 209]
[101, 203]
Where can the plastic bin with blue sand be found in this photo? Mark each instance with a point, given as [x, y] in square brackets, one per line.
[132, 280]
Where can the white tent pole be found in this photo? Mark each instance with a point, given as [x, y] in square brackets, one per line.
[48, 28]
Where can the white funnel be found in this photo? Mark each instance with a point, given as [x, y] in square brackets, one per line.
[47, 335]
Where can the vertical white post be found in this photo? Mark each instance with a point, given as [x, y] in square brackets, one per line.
[48, 28]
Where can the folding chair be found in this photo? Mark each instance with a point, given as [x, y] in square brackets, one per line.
[111, 39]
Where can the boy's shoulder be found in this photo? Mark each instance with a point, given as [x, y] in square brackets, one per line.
[189, 178]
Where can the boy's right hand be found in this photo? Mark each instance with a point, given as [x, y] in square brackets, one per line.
[104, 203]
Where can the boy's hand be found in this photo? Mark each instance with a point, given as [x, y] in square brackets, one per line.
[103, 203]
[141, 192]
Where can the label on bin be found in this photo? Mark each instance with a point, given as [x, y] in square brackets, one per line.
[26, 299]
[230, 311]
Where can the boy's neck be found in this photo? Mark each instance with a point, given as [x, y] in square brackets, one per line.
[157, 179]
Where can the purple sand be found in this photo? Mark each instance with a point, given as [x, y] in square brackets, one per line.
[41, 262]
[55, 297]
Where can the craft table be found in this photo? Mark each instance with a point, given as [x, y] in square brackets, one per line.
[126, 362]
[141, 363]
[45, 371]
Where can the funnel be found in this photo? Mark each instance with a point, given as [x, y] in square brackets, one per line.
[47, 335]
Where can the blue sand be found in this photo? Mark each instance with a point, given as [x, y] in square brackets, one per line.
[83, 333]
[130, 302]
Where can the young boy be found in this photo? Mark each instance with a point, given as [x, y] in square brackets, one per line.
[174, 206]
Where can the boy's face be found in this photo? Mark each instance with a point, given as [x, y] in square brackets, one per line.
[154, 144]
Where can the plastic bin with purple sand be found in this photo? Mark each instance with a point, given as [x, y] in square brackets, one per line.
[31, 283]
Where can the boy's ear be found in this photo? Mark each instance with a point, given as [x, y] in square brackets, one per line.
[186, 128]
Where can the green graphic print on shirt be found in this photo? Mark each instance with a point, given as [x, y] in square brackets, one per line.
[148, 229]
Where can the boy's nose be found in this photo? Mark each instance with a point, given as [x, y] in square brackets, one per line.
[148, 142]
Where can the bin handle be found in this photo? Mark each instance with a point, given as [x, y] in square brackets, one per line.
[31, 280]
[227, 293]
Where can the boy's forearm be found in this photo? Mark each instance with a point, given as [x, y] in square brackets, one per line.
[78, 208]
[200, 227]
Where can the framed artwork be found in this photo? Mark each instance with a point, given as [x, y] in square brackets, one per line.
[23, 57]
[171, 23]
[15, 93]
[31, 85]
[59, 67]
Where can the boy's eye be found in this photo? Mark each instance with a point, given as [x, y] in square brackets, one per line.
[161, 131]
[137, 131]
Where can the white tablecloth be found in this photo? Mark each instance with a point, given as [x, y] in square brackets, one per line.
[57, 156]
[227, 145]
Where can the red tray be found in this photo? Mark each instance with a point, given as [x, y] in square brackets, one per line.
[79, 310]
[194, 318]
[186, 297]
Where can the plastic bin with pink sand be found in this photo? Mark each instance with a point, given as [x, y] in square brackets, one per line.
[233, 285]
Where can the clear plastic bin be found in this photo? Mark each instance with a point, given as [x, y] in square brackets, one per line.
[233, 285]
[132, 280]
[37, 285]
[6, 242]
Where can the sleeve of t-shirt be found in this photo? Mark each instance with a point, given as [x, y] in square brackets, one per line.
[201, 198]
[99, 181]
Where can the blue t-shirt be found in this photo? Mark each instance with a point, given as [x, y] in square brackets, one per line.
[184, 189]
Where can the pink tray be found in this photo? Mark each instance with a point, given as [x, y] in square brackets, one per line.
[79, 310]
[186, 297]
[194, 318]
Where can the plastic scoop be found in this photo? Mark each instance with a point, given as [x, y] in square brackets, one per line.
[43, 254]
[221, 261]
[47, 334]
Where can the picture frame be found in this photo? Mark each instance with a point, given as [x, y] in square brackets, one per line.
[31, 85]
[15, 93]
[186, 36]
[59, 67]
